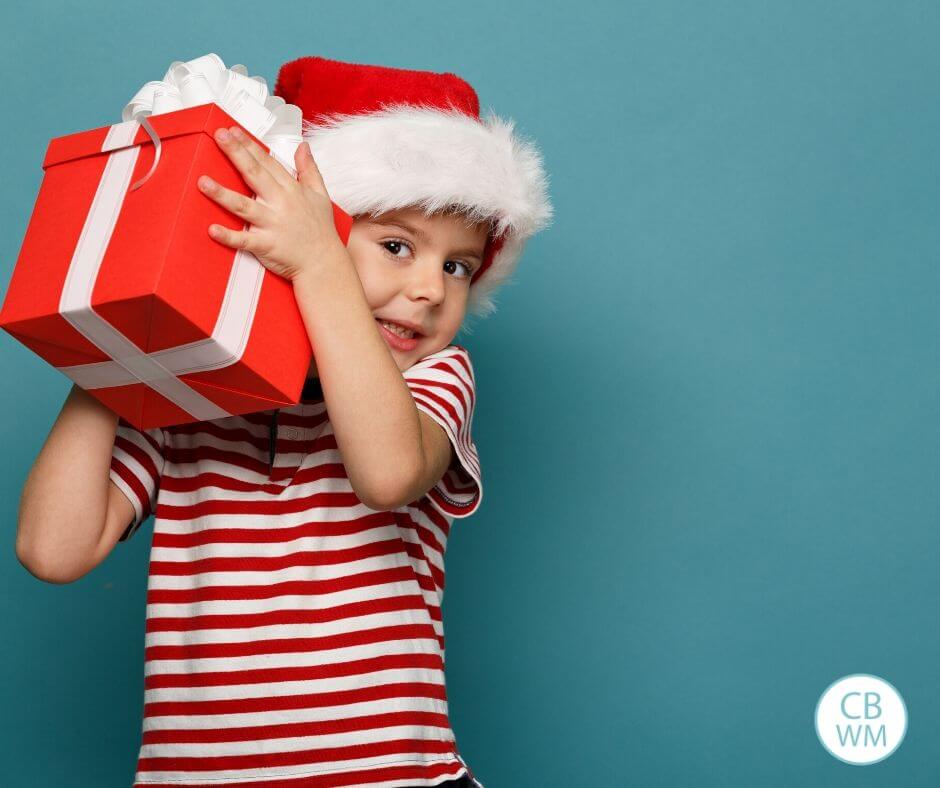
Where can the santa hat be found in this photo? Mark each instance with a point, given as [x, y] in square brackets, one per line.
[389, 138]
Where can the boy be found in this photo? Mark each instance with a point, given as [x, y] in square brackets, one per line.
[294, 633]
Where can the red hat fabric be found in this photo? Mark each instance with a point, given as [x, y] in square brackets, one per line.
[323, 87]
[387, 138]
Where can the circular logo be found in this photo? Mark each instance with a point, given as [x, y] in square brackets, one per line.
[861, 719]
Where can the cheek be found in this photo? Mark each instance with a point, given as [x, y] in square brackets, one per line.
[374, 284]
[454, 311]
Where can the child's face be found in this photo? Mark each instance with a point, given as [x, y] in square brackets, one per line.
[416, 270]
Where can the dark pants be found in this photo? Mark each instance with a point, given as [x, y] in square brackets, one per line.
[460, 782]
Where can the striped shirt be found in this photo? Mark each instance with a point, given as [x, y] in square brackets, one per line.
[294, 636]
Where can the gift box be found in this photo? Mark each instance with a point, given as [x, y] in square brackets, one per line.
[124, 291]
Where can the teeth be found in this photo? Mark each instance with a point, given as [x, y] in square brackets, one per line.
[405, 333]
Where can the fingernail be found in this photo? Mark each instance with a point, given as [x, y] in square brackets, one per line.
[222, 135]
[237, 133]
[206, 183]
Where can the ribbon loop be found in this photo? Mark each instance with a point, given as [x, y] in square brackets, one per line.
[157, 148]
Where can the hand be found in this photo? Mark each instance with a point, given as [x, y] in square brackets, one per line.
[291, 220]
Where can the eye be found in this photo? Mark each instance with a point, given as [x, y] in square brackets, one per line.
[467, 270]
[394, 246]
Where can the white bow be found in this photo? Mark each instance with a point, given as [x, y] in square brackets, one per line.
[206, 80]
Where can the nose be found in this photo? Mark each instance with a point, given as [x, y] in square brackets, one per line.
[426, 282]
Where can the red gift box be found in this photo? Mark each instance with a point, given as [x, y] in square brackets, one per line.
[125, 292]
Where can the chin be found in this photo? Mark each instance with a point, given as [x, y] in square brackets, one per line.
[428, 347]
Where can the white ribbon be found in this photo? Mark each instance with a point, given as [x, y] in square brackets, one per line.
[277, 124]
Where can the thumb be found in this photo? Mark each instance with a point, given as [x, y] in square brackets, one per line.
[307, 171]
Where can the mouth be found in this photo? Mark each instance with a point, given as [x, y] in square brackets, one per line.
[397, 336]
[403, 330]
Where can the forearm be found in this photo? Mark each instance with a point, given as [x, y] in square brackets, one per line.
[65, 497]
[373, 414]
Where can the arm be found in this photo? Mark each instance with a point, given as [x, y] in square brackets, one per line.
[392, 452]
[69, 508]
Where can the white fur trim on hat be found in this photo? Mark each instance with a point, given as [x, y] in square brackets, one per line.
[409, 156]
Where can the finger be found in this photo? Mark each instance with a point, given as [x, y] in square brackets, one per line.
[265, 159]
[244, 207]
[236, 239]
[308, 173]
[258, 178]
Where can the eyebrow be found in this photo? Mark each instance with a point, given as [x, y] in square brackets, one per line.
[423, 237]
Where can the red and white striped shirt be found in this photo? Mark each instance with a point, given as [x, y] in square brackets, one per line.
[294, 636]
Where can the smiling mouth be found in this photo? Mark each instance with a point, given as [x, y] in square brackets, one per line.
[401, 331]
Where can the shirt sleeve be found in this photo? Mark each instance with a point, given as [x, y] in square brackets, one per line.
[443, 387]
[136, 467]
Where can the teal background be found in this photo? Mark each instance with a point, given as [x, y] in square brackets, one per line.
[707, 405]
